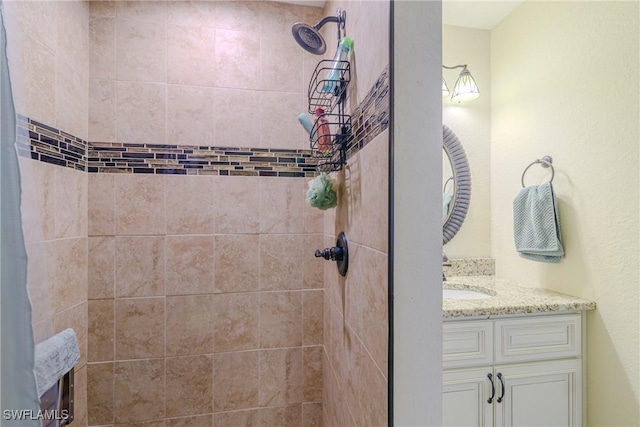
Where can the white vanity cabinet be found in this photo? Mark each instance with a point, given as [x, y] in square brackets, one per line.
[513, 371]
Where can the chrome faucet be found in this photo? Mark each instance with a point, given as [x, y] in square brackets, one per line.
[445, 263]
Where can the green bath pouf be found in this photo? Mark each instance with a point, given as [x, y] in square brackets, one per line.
[321, 194]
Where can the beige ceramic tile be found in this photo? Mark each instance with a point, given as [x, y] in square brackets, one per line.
[248, 418]
[41, 214]
[190, 54]
[189, 265]
[280, 319]
[76, 319]
[100, 393]
[281, 377]
[370, 215]
[38, 282]
[285, 416]
[196, 421]
[234, 119]
[40, 18]
[334, 283]
[281, 262]
[140, 266]
[149, 11]
[80, 396]
[139, 390]
[73, 35]
[43, 329]
[277, 18]
[39, 68]
[235, 376]
[189, 325]
[237, 262]
[102, 8]
[191, 13]
[101, 204]
[102, 47]
[67, 262]
[314, 267]
[189, 115]
[189, 386]
[135, 100]
[281, 205]
[374, 400]
[313, 217]
[189, 204]
[237, 63]
[312, 362]
[101, 330]
[279, 126]
[102, 111]
[140, 328]
[312, 317]
[312, 415]
[281, 63]
[101, 274]
[72, 100]
[236, 205]
[140, 204]
[367, 293]
[236, 321]
[71, 203]
[239, 16]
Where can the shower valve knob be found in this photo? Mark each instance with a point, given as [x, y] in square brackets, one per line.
[339, 253]
[333, 254]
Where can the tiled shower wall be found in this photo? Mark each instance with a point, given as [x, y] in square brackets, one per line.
[205, 300]
[356, 307]
[48, 49]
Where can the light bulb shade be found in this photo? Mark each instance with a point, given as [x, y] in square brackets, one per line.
[465, 88]
[445, 89]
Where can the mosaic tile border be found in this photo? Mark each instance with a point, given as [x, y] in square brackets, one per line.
[371, 117]
[118, 157]
[47, 144]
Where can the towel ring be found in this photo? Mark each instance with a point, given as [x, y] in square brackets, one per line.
[545, 162]
[444, 187]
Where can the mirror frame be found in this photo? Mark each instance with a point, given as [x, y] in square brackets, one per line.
[461, 181]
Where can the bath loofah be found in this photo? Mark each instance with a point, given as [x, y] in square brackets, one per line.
[321, 194]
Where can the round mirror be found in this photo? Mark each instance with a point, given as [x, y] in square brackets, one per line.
[456, 184]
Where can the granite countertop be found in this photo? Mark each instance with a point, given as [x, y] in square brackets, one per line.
[508, 298]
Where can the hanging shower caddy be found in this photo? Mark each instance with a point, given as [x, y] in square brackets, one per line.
[329, 94]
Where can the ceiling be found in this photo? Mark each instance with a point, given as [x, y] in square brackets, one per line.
[477, 13]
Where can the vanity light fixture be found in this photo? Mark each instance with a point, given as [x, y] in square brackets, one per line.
[465, 89]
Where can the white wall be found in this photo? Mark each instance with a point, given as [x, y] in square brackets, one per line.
[471, 123]
[565, 83]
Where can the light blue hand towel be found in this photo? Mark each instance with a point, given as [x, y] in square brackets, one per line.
[536, 224]
[446, 201]
[54, 357]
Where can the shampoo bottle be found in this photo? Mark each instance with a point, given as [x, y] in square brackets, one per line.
[345, 46]
[323, 133]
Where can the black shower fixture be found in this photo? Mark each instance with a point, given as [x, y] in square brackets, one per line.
[310, 39]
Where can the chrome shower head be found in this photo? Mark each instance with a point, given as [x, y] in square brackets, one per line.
[310, 39]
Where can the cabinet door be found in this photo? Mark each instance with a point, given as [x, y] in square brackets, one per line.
[465, 395]
[547, 394]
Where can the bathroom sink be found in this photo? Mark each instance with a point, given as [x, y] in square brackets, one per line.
[463, 294]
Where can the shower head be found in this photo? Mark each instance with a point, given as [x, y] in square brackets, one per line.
[310, 39]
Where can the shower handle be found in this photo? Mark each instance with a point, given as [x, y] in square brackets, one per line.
[339, 253]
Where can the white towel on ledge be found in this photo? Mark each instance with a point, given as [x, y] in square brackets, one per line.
[54, 357]
[536, 224]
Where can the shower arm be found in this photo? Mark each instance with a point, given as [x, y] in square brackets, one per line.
[340, 19]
